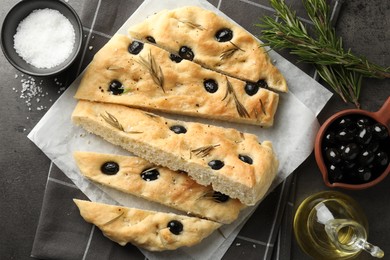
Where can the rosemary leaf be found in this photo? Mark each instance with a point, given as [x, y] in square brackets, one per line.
[241, 110]
[192, 25]
[112, 120]
[154, 69]
[228, 53]
[204, 150]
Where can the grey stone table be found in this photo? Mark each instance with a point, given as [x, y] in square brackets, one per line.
[364, 26]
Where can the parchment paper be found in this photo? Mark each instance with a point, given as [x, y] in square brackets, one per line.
[292, 136]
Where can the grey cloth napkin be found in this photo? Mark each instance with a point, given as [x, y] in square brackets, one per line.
[63, 234]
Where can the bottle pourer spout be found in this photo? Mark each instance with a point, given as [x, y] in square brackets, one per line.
[371, 249]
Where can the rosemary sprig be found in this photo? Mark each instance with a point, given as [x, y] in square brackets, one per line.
[154, 70]
[204, 150]
[192, 25]
[242, 112]
[262, 108]
[228, 53]
[112, 120]
[341, 69]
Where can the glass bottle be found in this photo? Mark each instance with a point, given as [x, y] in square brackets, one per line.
[331, 225]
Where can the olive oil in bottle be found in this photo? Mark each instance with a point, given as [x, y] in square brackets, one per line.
[330, 225]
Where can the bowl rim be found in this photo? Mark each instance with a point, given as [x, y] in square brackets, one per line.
[319, 156]
[61, 68]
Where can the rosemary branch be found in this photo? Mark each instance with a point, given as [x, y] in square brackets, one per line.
[341, 69]
[241, 110]
[154, 69]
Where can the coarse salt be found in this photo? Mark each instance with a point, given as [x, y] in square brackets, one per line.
[45, 38]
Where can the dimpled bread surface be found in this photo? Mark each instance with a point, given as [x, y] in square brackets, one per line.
[182, 89]
[147, 229]
[194, 151]
[196, 28]
[173, 189]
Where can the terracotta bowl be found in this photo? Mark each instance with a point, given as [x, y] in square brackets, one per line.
[382, 116]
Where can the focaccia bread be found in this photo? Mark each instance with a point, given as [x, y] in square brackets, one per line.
[152, 230]
[141, 178]
[212, 41]
[234, 163]
[144, 76]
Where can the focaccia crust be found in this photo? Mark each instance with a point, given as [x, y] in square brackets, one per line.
[194, 27]
[247, 167]
[182, 89]
[147, 229]
[173, 189]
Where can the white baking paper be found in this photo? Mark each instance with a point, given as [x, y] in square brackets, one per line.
[292, 135]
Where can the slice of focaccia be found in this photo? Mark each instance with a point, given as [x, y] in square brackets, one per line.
[234, 163]
[212, 41]
[137, 176]
[144, 76]
[152, 230]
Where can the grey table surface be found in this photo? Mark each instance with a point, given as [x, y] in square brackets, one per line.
[364, 26]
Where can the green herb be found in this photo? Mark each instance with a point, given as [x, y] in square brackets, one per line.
[112, 120]
[154, 70]
[242, 112]
[192, 25]
[204, 150]
[341, 69]
[228, 53]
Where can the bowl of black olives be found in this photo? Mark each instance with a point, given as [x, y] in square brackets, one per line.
[352, 148]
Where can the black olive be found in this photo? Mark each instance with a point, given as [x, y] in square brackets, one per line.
[186, 53]
[333, 155]
[210, 85]
[363, 122]
[245, 158]
[262, 83]
[330, 138]
[110, 168]
[366, 157]
[381, 158]
[178, 129]
[335, 174]
[175, 58]
[348, 165]
[224, 35]
[116, 87]
[364, 136]
[220, 197]
[344, 122]
[251, 88]
[380, 131]
[150, 39]
[150, 175]
[135, 47]
[216, 164]
[344, 135]
[175, 226]
[373, 146]
[350, 152]
[363, 174]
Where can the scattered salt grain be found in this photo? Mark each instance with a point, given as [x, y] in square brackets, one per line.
[45, 38]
